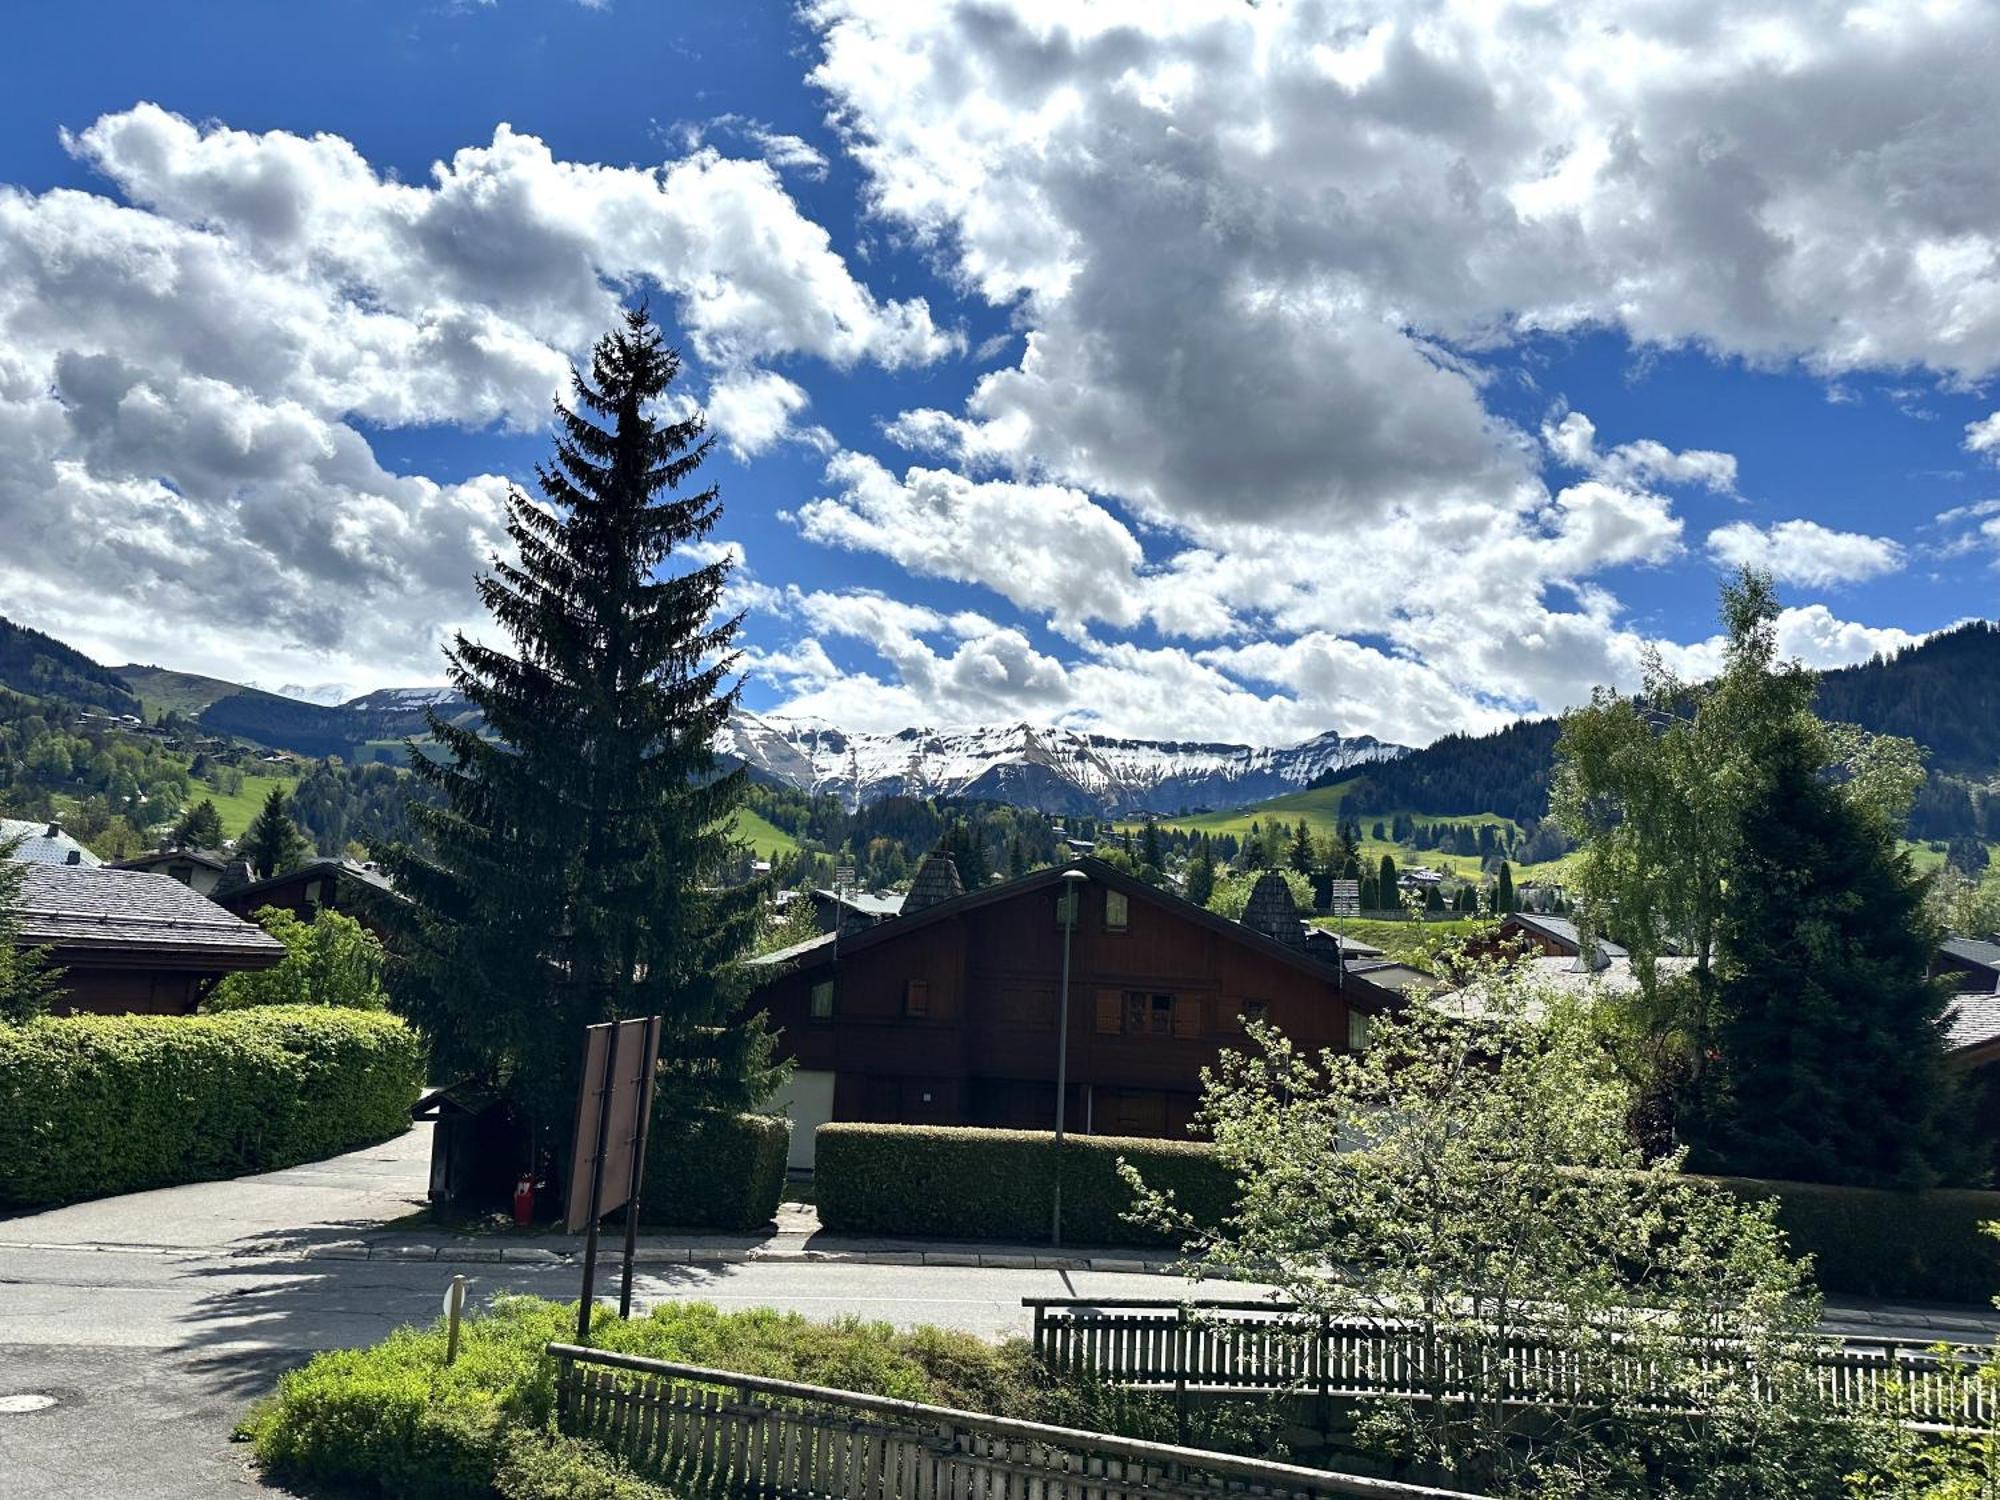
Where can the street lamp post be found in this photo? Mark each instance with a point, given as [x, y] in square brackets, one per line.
[1073, 882]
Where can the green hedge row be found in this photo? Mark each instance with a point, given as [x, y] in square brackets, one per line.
[1873, 1242]
[717, 1172]
[962, 1183]
[91, 1105]
[958, 1182]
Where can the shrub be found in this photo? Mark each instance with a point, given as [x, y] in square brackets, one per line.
[717, 1172]
[394, 1420]
[1877, 1242]
[964, 1183]
[331, 960]
[565, 1468]
[91, 1105]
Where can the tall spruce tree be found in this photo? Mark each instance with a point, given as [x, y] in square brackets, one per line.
[575, 853]
[273, 843]
[1829, 1037]
[1201, 874]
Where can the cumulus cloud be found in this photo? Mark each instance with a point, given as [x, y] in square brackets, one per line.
[1983, 437]
[184, 374]
[1266, 260]
[1805, 552]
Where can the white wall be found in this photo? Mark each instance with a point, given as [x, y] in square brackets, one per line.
[807, 1101]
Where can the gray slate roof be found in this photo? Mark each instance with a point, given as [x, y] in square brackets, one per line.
[1973, 950]
[1563, 931]
[38, 848]
[71, 907]
[1975, 1021]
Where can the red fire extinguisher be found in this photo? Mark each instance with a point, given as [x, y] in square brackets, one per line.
[524, 1201]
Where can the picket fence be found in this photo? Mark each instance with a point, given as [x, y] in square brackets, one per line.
[1165, 1345]
[713, 1433]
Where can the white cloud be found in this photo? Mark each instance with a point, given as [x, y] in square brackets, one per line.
[1572, 440]
[1805, 552]
[183, 376]
[1983, 436]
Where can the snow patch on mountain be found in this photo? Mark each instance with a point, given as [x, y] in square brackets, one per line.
[1055, 770]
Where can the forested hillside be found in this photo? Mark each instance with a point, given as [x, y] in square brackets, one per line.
[1944, 693]
[1505, 772]
[43, 667]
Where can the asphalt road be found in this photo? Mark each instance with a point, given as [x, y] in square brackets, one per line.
[154, 1348]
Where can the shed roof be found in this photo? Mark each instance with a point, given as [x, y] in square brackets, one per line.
[1975, 1022]
[1973, 951]
[132, 916]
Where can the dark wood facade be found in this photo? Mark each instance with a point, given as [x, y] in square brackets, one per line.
[949, 1015]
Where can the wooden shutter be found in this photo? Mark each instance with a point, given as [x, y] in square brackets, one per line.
[917, 998]
[1187, 1015]
[1110, 1008]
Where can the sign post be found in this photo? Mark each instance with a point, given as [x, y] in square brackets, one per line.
[613, 1109]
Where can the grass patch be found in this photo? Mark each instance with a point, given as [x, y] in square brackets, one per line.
[240, 808]
[394, 1420]
[766, 839]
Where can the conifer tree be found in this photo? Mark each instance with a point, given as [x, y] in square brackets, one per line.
[1201, 874]
[200, 827]
[1301, 855]
[1150, 852]
[1503, 890]
[1830, 1037]
[1385, 882]
[573, 877]
[273, 843]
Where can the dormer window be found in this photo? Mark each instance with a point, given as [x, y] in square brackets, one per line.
[1117, 911]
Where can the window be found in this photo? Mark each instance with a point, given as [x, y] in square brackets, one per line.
[822, 1001]
[917, 997]
[1117, 911]
[1065, 907]
[1148, 1014]
[1357, 1030]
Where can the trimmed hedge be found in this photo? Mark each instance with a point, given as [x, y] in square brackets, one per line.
[958, 1182]
[91, 1105]
[718, 1172]
[1875, 1242]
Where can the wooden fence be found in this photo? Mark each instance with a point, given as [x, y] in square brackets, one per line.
[1161, 1344]
[712, 1433]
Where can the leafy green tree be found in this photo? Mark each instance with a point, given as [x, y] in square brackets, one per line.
[27, 981]
[1831, 1039]
[330, 960]
[200, 827]
[1471, 1183]
[1201, 875]
[273, 843]
[580, 837]
[1654, 789]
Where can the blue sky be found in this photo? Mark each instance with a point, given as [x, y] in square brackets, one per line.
[1197, 371]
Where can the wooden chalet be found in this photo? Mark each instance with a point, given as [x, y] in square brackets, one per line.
[947, 1013]
[133, 941]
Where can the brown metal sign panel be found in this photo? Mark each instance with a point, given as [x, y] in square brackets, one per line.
[626, 1070]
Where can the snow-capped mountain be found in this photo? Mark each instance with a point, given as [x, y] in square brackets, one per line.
[393, 700]
[1053, 770]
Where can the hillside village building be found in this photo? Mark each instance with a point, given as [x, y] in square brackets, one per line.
[946, 1014]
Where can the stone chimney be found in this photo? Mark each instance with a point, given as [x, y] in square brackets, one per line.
[937, 880]
[75, 857]
[54, 832]
[1271, 911]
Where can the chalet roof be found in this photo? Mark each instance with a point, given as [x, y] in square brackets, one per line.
[340, 869]
[1973, 951]
[152, 859]
[1271, 910]
[937, 881]
[132, 915]
[44, 843]
[868, 903]
[1975, 1022]
[1562, 932]
[821, 948]
[1350, 948]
